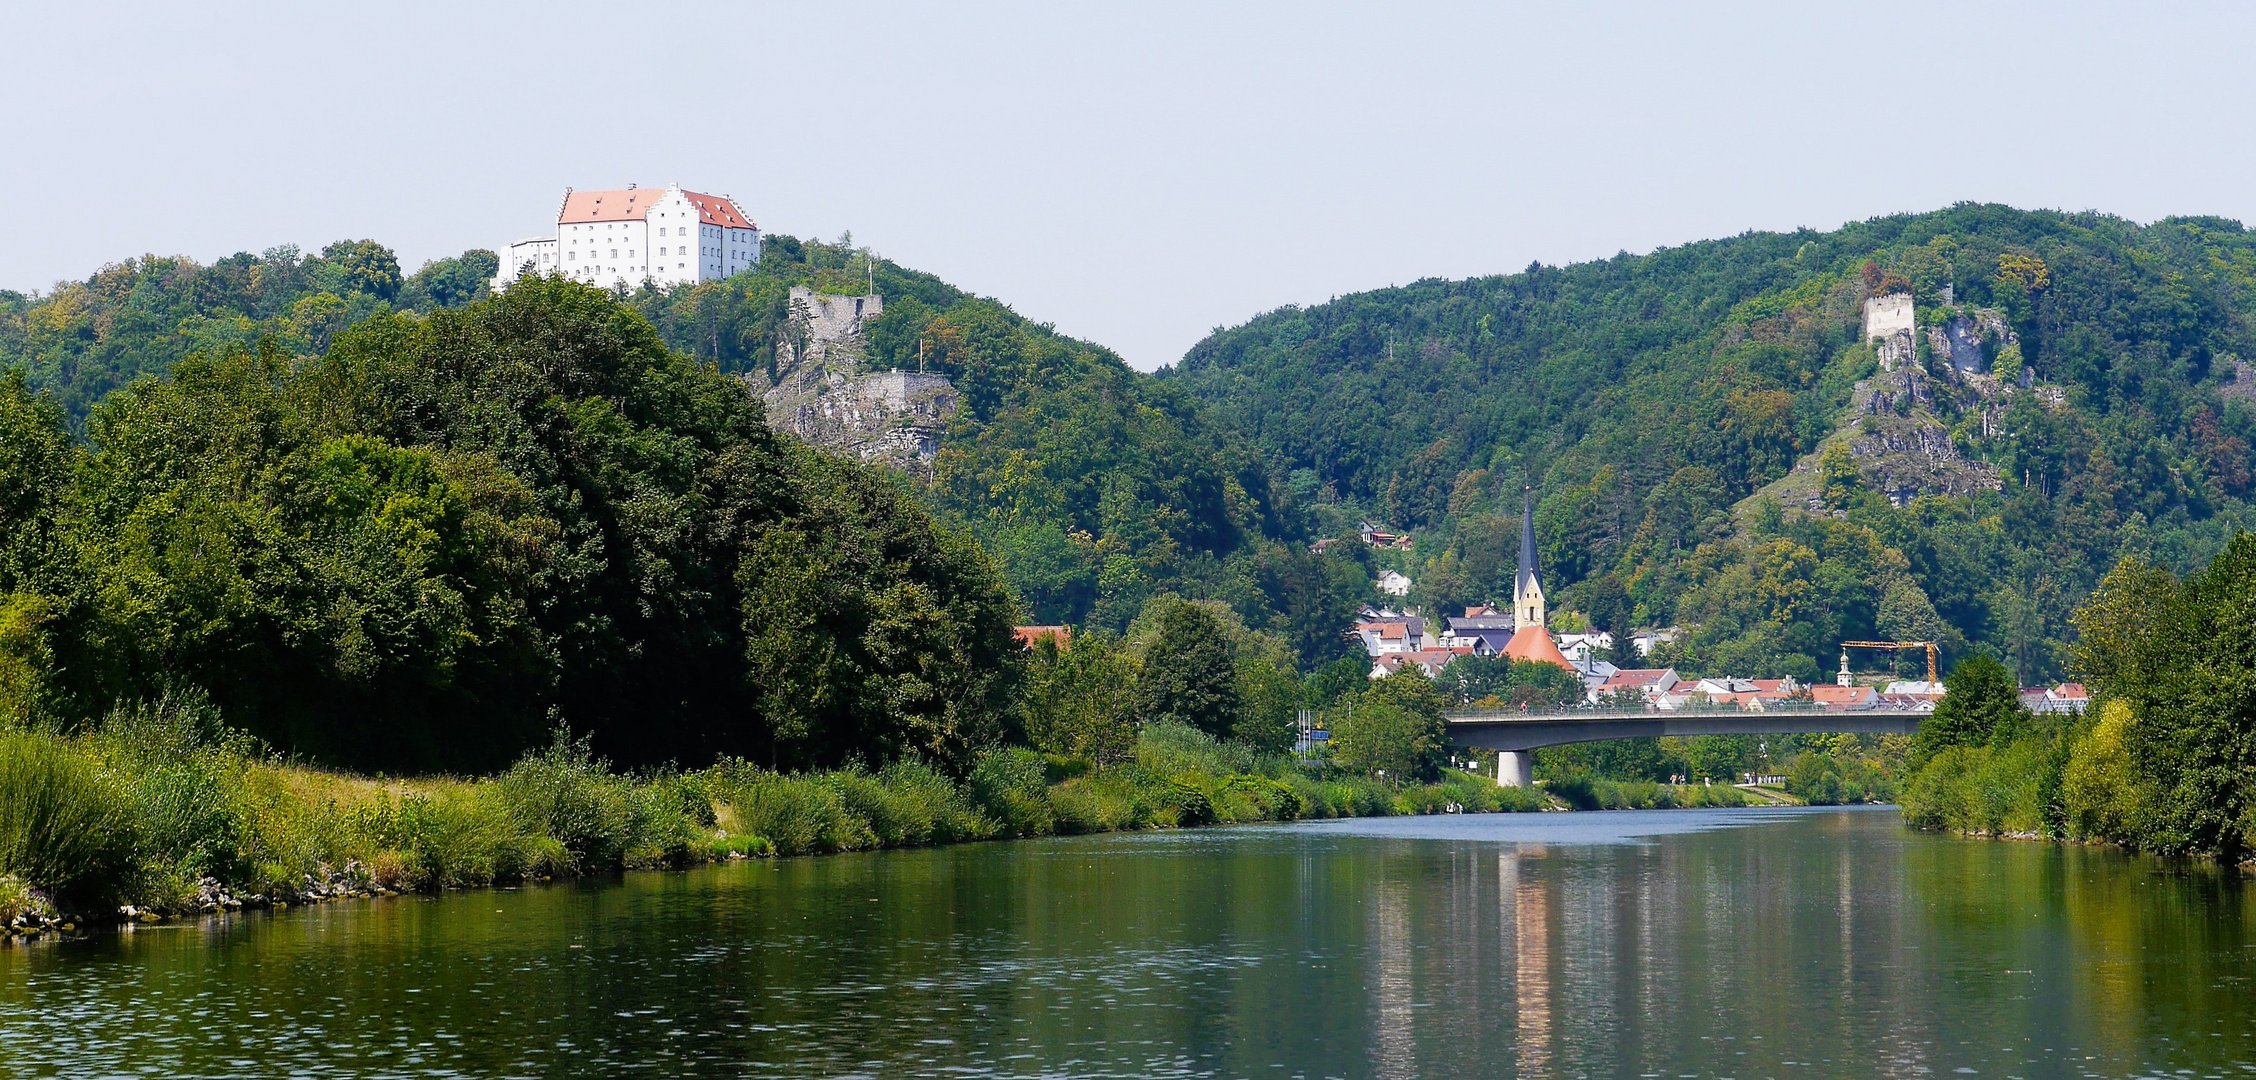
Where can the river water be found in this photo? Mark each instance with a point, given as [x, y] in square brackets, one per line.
[1754, 943]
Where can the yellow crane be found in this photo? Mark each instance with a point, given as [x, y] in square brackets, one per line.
[1892, 646]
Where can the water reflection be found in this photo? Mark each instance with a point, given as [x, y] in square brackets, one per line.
[1809, 944]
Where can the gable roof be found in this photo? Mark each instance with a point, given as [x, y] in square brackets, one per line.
[717, 210]
[625, 204]
[631, 204]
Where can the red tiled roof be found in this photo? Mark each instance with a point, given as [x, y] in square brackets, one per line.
[1635, 677]
[715, 210]
[1842, 695]
[630, 204]
[1534, 643]
[2072, 690]
[1030, 636]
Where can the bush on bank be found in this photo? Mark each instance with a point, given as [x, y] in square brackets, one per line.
[2165, 762]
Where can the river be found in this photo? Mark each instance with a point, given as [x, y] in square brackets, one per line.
[1729, 943]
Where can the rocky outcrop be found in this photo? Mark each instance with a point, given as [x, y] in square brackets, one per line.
[821, 394]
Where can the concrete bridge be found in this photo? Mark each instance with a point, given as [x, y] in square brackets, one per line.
[1516, 735]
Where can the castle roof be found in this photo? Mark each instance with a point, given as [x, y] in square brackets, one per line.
[1534, 643]
[631, 204]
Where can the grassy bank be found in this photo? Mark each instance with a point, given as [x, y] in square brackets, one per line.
[160, 812]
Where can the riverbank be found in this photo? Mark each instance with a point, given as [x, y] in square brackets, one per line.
[151, 817]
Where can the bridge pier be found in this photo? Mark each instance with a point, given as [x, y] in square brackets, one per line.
[1515, 768]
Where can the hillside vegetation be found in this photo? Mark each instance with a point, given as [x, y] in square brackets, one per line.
[1093, 487]
[1646, 398]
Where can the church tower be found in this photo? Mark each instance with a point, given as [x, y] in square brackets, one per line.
[1527, 593]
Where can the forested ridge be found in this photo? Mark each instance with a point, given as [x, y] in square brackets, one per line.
[1646, 398]
[421, 536]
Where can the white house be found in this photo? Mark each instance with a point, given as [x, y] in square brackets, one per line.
[1578, 647]
[665, 236]
[1393, 583]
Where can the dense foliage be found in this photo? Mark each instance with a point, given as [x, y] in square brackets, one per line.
[1094, 487]
[412, 551]
[1647, 398]
[2166, 763]
[139, 317]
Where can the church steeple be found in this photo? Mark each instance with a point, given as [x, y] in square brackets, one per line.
[1527, 592]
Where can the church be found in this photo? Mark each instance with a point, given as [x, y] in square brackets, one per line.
[1530, 639]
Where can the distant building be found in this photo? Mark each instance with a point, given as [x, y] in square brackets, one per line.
[1845, 697]
[1482, 629]
[1531, 641]
[662, 236]
[1033, 636]
[1647, 683]
[1578, 647]
[2065, 698]
[1915, 688]
[1644, 641]
[1393, 583]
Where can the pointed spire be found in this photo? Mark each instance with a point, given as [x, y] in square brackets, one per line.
[1528, 567]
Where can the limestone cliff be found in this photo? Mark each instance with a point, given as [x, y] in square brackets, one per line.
[821, 394]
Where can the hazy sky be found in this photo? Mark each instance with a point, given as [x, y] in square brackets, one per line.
[1136, 174]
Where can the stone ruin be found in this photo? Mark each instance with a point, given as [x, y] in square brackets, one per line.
[821, 394]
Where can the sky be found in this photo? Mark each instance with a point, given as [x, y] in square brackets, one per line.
[1137, 175]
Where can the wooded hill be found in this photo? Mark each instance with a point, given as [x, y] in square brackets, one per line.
[1646, 398]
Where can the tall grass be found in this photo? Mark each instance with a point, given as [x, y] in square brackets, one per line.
[63, 821]
[160, 807]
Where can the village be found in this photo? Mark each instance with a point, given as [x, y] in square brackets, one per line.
[1395, 637]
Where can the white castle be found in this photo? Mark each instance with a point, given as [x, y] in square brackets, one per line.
[663, 236]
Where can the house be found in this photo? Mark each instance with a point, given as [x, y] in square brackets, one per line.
[1918, 703]
[1386, 637]
[1594, 675]
[2065, 698]
[1844, 697]
[1745, 693]
[1384, 631]
[1915, 688]
[1429, 661]
[1393, 583]
[1324, 545]
[637, 235]
[1644, 641]
[1580, 646]
[1482, 629]
[1648, 684]
[1031, 637]
[1378, 537]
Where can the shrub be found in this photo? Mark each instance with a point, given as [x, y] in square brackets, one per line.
[1012, 787]
[565, 793]
[64, 826]
[797, 814]
[2102, 791]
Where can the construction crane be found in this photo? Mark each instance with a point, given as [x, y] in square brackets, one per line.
[1892, 646]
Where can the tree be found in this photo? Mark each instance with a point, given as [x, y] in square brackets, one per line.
[1190, 669]
[1981, 701]
[1394, 726]
[360, 266]
[1081, 701]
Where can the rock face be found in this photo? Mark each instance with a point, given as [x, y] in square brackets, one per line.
[1972, 340]
[821, 394]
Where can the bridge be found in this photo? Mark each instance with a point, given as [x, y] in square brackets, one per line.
[1515, 735]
